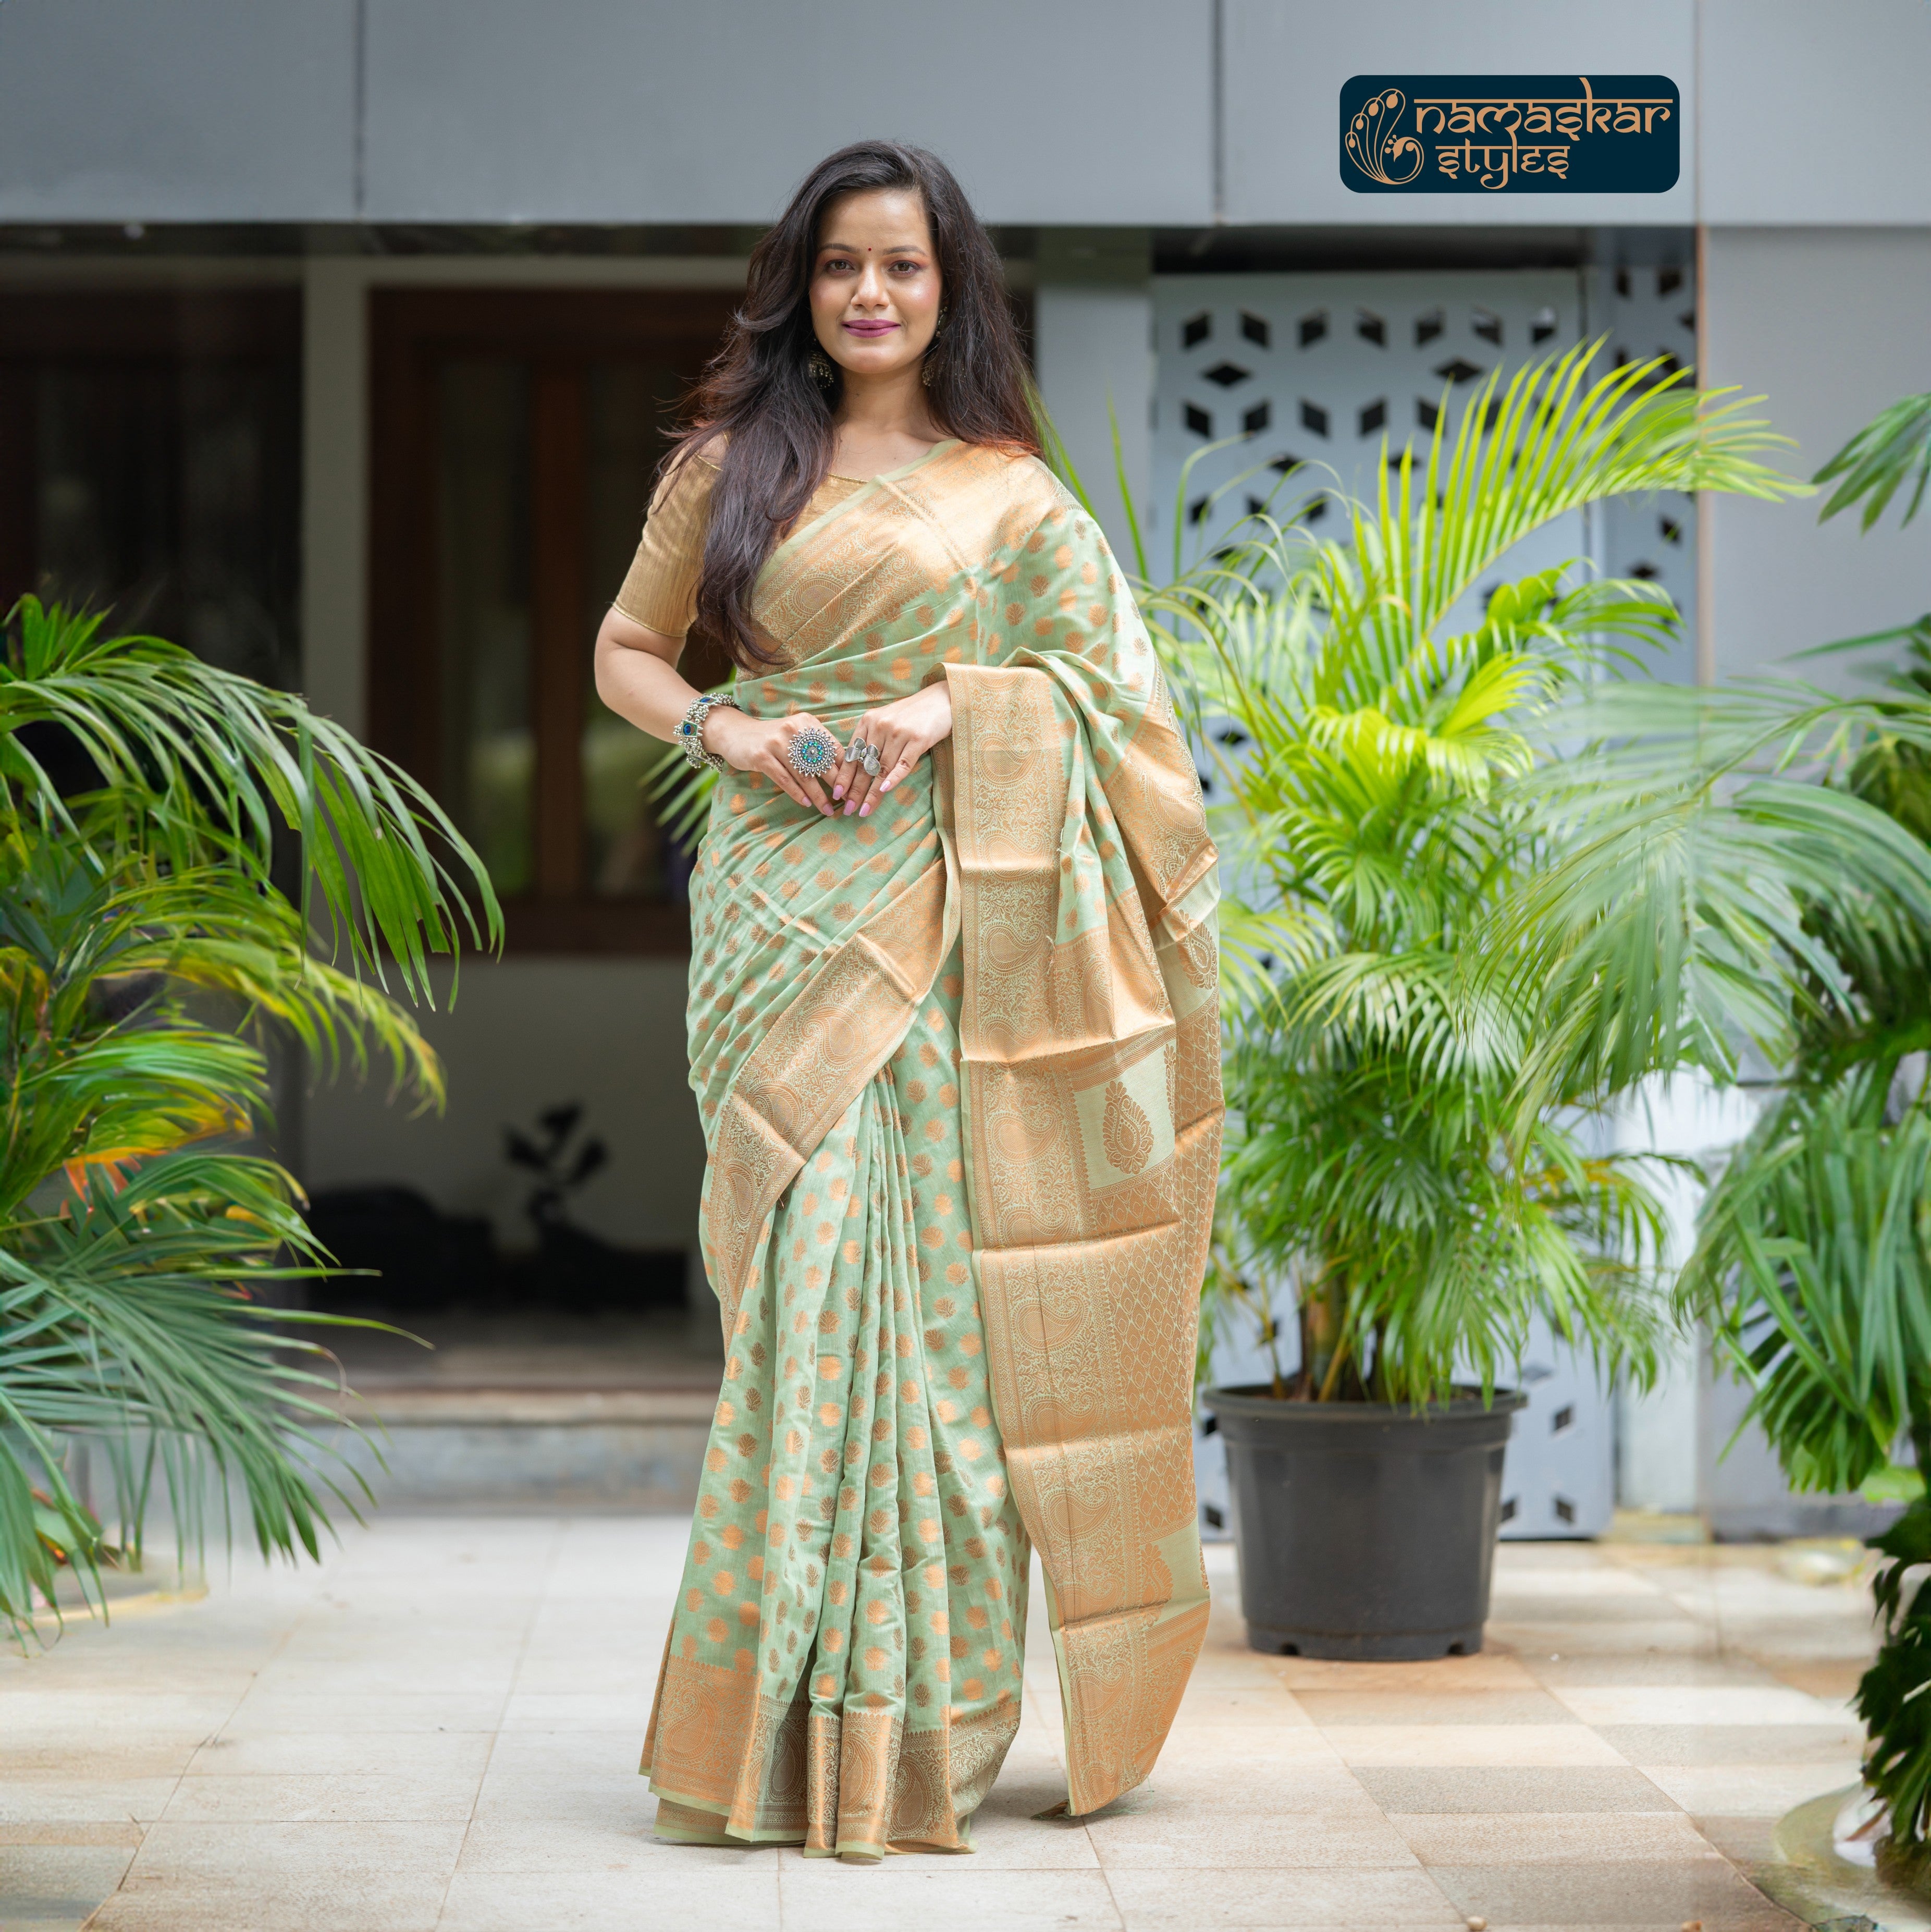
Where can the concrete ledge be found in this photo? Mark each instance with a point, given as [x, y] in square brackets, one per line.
[526, 1448]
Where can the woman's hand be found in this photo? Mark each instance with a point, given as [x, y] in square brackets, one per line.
[748, 744]
[904, 731]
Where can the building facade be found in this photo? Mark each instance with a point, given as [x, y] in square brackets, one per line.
[338, 339]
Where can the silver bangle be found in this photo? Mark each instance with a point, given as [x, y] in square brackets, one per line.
[691, 731]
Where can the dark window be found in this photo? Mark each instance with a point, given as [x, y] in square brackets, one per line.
[1371, 328]
[1313, 328]
[1257, 418]
[1374, 417]
[1314, 417]
[1429, 326]
[1255, 328]
[516, 436]
[1226, 374]
[1200, 421]
[1457, 371]
[1488, 325]
[152, 465]
[1195, 330]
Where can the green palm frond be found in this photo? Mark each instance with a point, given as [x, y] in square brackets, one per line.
[1880, 460]
[203, 756]
[147, 953]
[1811, 1268]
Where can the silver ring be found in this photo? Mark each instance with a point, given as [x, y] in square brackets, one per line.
[867, 757]
[812, 753]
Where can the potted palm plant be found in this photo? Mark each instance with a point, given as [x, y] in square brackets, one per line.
[148, 805]
[1449, 951]
[1812, 1266]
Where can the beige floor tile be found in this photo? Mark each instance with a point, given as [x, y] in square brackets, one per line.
[1547, 1838]
[375, 1679]
[100, 1757]
[1487, 1670]
[1199, 1837]
[1508, 1788]
[1266, 1704]
[1591, 1581]
[270, 1877]
[1527, 1705]
[323, 1797]
[239, 1753]
[1589, 1669]
[580, 1711]
[58, 1884]
[1832, 1678]
[1697, 1704]
[1650, 1745]
[1251, 1788]
[1574, 1895]
[1007, 1836]
[1299, 1744]
[1471, 1744]
[28, 1717]
[666, 1898]
[935, 1894]
[1752, 1790]
[1258, 1899]
[123, 1834]
[55, 1800]
[609, 1801]
[612, 1840]
[264, 1714]
[568, 1753]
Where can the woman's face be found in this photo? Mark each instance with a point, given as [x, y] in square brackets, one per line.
[875, 285]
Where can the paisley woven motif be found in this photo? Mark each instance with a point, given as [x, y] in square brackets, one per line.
[1128, 1132]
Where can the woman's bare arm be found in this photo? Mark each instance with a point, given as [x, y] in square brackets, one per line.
[638, 678]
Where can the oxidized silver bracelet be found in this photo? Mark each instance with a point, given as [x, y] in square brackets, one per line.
[691, 731]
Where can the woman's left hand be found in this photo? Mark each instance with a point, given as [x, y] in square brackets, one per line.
[904, 731]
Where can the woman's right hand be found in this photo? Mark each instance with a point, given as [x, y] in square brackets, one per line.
[748, 744]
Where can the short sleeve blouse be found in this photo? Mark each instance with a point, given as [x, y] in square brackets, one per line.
[660, 589]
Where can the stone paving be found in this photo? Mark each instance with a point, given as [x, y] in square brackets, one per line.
[439, 1727]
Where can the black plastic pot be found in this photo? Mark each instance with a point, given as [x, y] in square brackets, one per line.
[1365, 1531]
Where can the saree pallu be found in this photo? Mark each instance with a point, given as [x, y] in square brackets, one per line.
[958, 1065]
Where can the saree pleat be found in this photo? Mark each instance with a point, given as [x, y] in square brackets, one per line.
[958, 1068]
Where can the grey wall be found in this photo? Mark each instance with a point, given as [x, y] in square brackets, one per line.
[1829, 325]
[160, 110]
[1286, 60]
[1074, 112]
[610, 110]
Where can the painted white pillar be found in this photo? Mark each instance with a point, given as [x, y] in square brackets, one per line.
[1093, 351]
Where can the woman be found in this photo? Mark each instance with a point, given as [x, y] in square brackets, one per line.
[953, 1029]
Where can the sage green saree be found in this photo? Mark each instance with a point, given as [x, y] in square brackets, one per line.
[958, 1064]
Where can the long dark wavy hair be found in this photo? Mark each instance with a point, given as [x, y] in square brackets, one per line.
[760, 393]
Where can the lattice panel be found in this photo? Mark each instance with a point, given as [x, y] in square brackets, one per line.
[1316, 370]
[1651, 311]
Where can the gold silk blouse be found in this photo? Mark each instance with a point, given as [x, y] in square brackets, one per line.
[660, 589]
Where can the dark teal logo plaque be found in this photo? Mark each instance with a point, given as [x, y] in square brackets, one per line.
[1510, 133]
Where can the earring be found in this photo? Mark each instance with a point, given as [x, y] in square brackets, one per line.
[928, 362]
[819, 365]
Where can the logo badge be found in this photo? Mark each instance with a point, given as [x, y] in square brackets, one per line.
[1505, 133]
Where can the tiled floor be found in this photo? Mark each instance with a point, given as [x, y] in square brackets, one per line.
[439, 1728]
